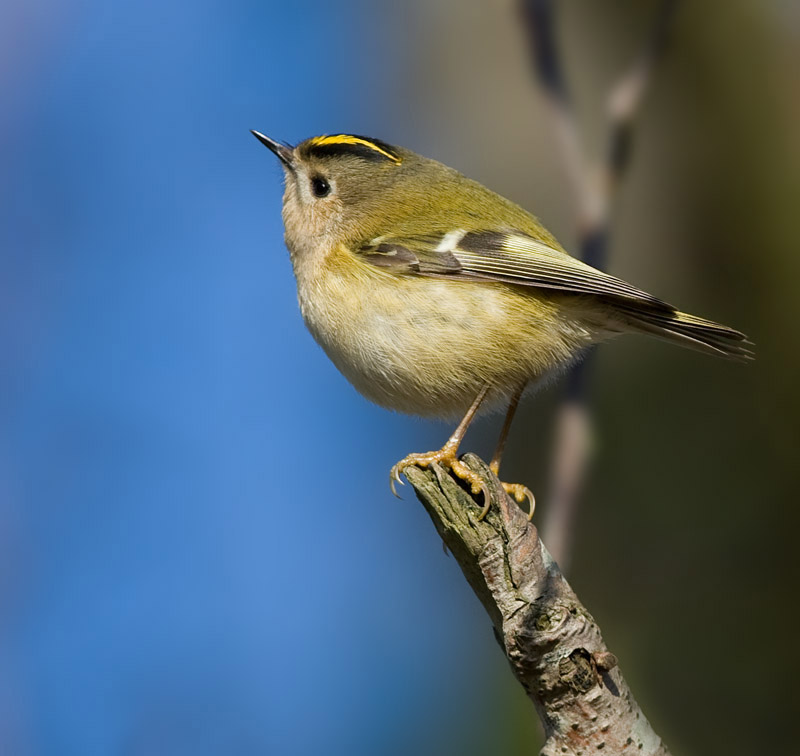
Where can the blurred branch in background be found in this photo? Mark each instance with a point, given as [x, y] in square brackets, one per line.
[594, 187]
[552, 643]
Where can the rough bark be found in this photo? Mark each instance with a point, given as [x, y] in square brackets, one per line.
[553, 644]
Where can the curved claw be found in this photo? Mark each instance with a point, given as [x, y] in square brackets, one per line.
[394, 477]
[531, 505]
[486, 502]
[421, 460]
[520, 494]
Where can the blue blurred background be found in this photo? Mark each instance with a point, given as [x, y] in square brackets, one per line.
[199, 553]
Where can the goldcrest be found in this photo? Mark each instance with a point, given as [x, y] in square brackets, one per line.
[433, 295]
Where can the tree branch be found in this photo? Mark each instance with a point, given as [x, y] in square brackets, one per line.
[553, 644]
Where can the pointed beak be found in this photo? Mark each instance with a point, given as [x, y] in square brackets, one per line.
[285, 152]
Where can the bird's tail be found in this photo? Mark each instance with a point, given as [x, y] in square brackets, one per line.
[688, 330]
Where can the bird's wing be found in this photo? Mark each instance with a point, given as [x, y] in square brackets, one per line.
[508, 256]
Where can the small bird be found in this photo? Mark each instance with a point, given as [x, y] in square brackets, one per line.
[434, 296]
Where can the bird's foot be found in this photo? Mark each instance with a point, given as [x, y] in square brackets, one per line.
[521, 493]
[446, 456]
[516, 491]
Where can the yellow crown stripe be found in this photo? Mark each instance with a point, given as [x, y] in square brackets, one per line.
[322, 141]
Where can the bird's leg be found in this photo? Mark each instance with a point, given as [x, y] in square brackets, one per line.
[517, 490]
[494, 465]
[447, 456]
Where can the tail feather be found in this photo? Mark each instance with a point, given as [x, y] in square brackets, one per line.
[690, 331]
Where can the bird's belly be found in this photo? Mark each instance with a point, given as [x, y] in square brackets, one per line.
[426, 346]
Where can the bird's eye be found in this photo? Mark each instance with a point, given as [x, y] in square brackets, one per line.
[320, 187]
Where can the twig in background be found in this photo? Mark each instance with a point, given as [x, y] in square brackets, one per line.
[594, 188]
